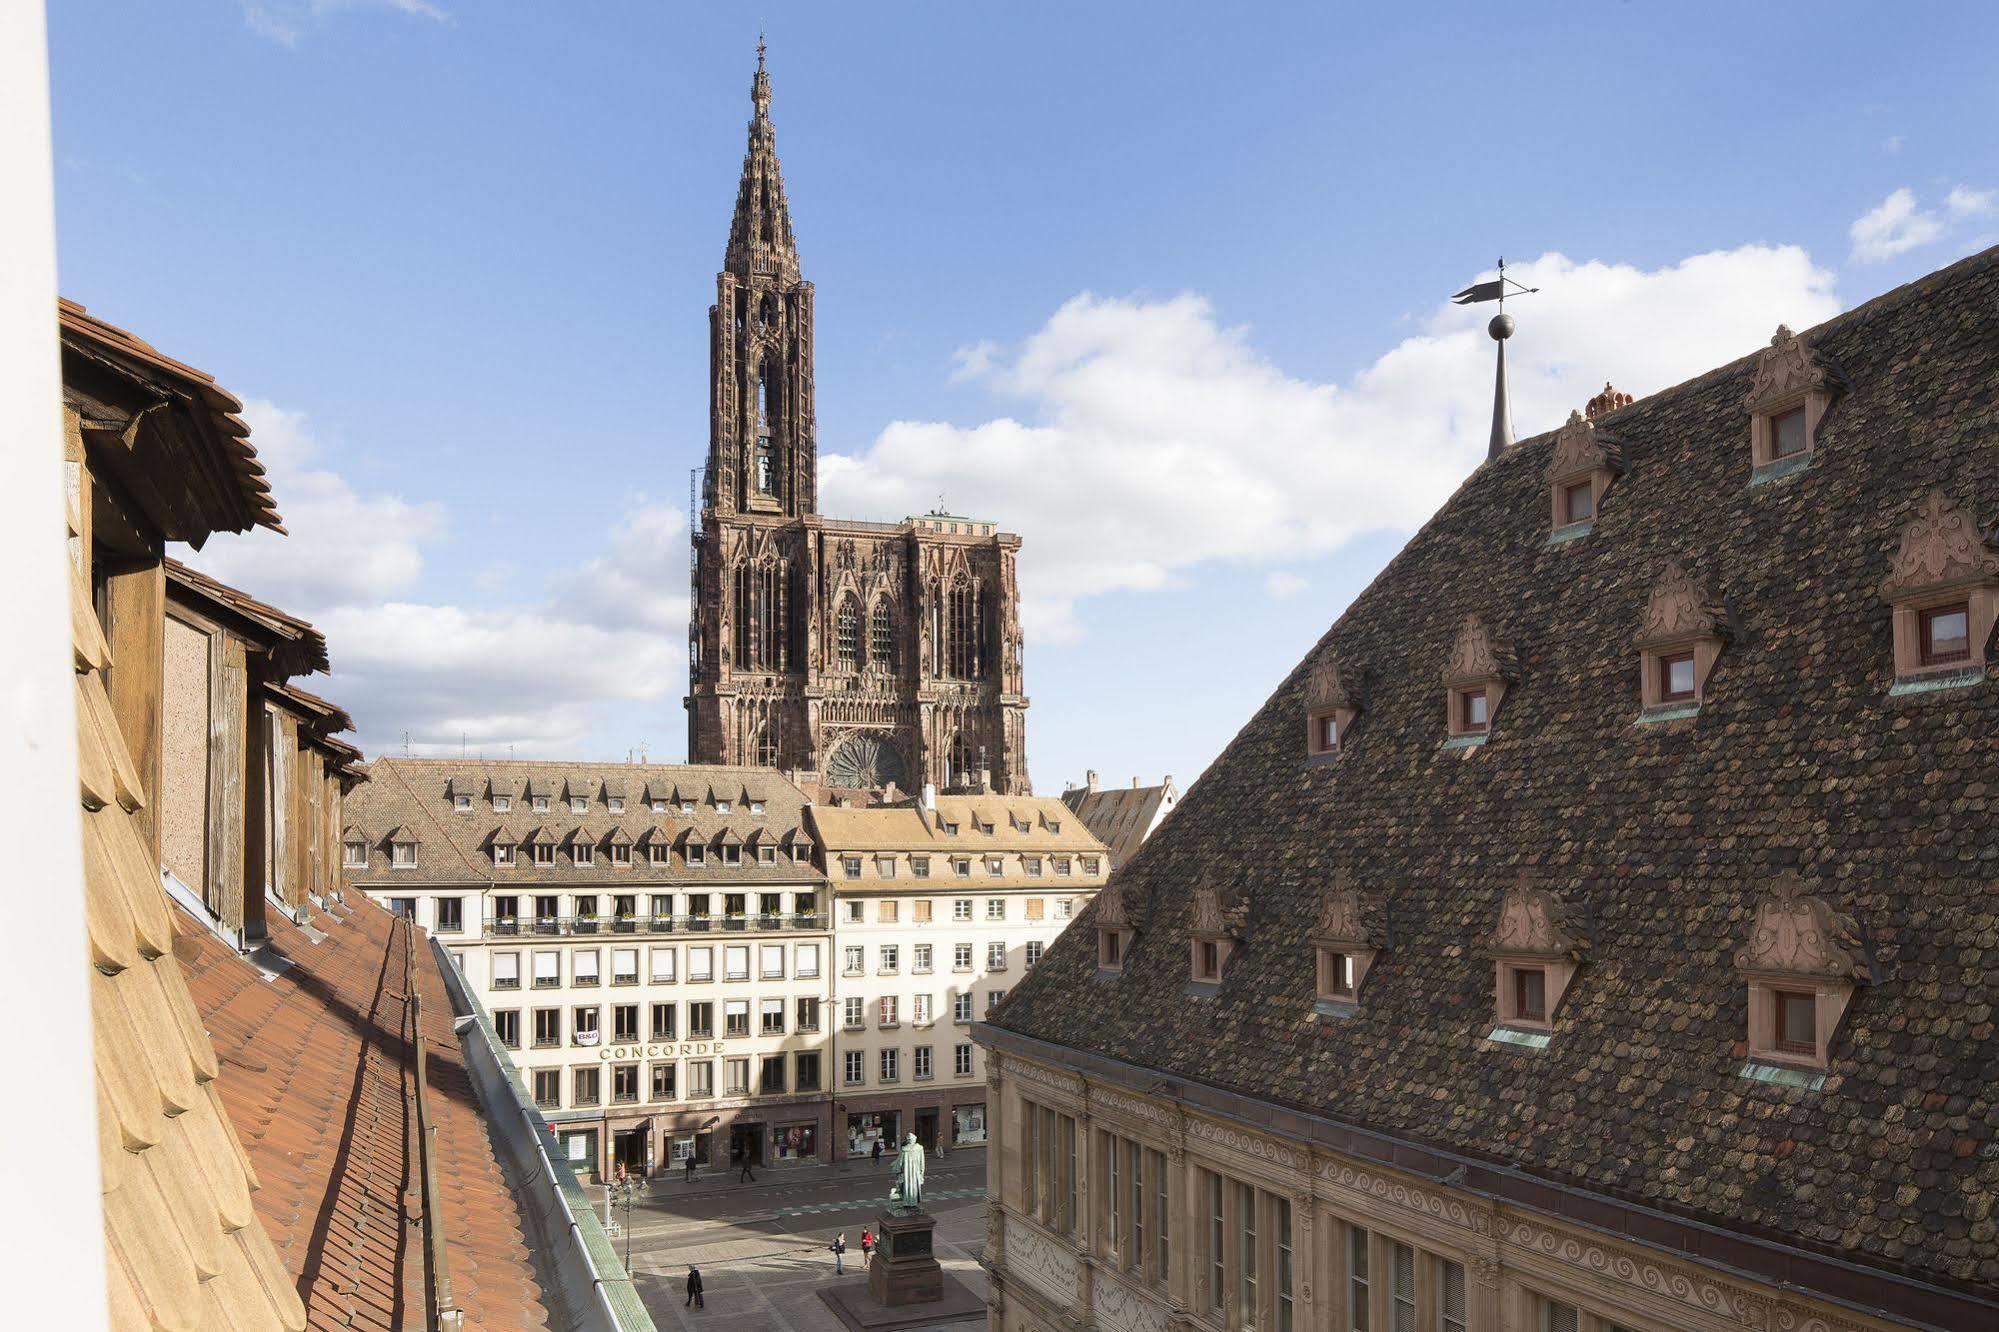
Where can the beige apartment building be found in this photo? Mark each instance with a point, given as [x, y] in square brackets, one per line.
[650, 941]
[940, 906]
[1593, 932]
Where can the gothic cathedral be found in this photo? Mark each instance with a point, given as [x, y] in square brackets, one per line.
[859, 654]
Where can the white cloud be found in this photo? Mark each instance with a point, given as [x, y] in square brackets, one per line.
[343, 548]
[1894, 226]
[1965, 202]
[1892, 144]
[1155, 438]
[285, 21]
[534, 678]
[1282, 584]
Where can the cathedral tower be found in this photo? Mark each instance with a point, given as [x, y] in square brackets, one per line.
[857, 654]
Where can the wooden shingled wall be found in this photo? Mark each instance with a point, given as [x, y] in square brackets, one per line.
[184, 1249]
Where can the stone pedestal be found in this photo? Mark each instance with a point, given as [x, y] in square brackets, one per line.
[904, 1269]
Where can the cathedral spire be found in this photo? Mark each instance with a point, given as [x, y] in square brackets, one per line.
[760, 239]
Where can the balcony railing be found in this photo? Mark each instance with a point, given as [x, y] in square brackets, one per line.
[645, 924]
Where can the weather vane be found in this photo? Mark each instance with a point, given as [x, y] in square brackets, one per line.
[1501, 328]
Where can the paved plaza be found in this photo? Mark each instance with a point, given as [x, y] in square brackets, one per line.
[762, 1247]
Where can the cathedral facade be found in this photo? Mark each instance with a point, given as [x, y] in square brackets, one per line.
[858, 654]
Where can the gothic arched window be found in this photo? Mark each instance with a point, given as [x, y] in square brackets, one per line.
[881, 636]
[847, 635]
[960, 630]
[761, 640]
[958, 762]
[764, 743]
[766, 449]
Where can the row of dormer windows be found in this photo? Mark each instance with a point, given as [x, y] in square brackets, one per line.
[887, 866]
[1942, 591]
[583, 853]
[503, 803]
[1796, 995]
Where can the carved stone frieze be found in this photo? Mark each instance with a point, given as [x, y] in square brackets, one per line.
[1135, 1109]
[1785, 369]
[1798, 935]
[1399, 1192]
[1123, 1308]
[1578, 451]
[1340, 915]
[1940, 546]
[1041, 1263]
[1213, 918]
[1253, 1146]
[1473, 655]
[1067, 1084]
[1679, 608]
[1534, 922]
[1327, 687]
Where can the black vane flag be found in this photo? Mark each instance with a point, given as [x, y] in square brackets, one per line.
[1481, 291]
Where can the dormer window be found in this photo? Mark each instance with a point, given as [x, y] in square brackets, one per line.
[1343, 947]
[503, 855]
[402, 855]
[502, 804]
[355, 855]
[579, 804]
[1676, 677]
[1679, 640]
[657, 853]
[1475, 681]
[1946, 637]
[1213, 935]
[1536, 948]
[461, 804]
[1329, 708]
[756, 807]
[1578, 502]
[1801, 964]
[1114, 931]
[1474, 711]
[687, 807]
[621, 855]
[658, 806]
[1581, 468]
[697, 855]
[1787, 433]
[544, 853]
[541, 804]
[582, 852]
[1943, 586]
[616, 804]
[721, 807]
[1786, 401]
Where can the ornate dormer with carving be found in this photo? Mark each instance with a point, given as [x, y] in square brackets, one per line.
[1679, 641]
[1580, 471]
[1801, 964]
[1213, 935]
[1330, 707]
[1343, 947]
[1786, 401]
[1536, 947]
[1944, 588]
[1475, 679]
[1115, 927]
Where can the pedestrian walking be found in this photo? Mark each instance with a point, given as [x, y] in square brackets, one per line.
[690, 1170]
[748, 1176]
[839, 1247]
[867, 1244]
[694, 1296]
[875, 1156]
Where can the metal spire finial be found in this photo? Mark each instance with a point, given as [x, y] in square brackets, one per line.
[1500, 329]
[760, 85]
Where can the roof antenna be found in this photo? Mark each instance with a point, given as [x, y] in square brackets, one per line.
[406, 744]
[1501, 328]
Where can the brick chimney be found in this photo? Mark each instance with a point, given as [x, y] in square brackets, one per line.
[1090, 779]
[1606, 402]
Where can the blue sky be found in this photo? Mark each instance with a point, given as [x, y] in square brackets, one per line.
[1158, 286]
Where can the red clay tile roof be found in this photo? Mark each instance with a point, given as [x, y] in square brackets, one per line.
[316, 1078]
[1666, 836]
[219, 406]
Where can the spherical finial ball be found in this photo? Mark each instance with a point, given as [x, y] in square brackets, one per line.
[1501, 327]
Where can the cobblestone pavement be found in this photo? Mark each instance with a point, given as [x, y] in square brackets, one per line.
[762, 1248]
